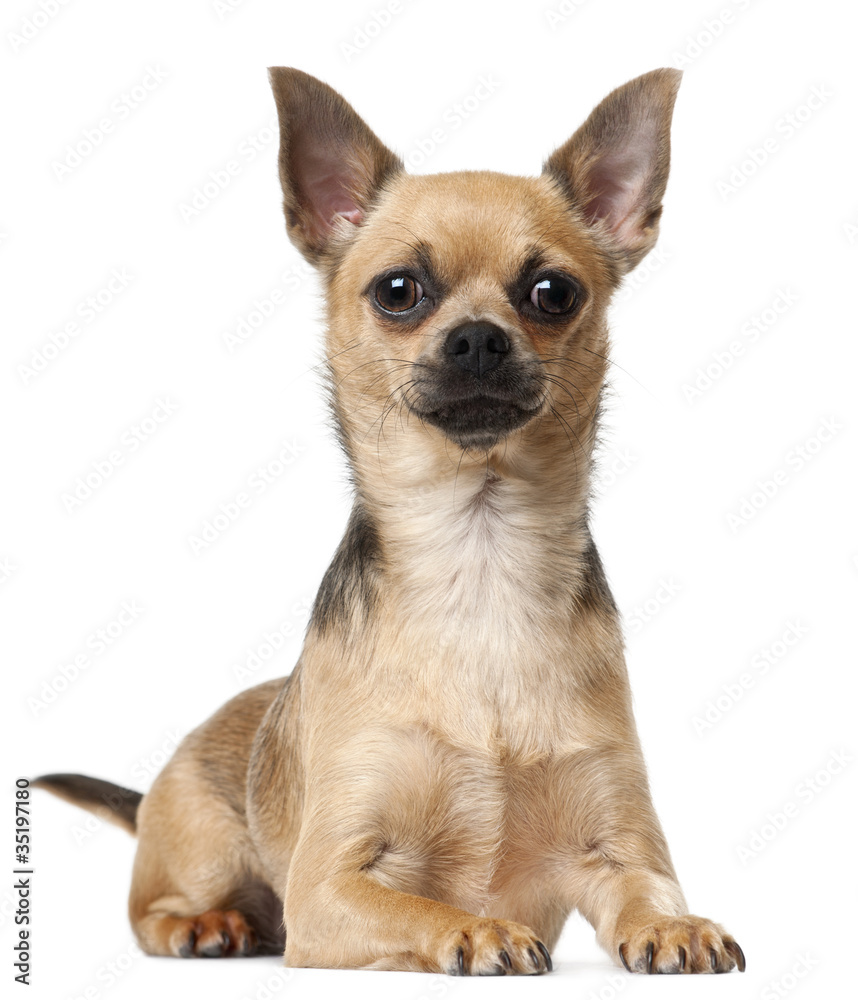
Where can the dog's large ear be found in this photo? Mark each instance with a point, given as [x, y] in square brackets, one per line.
[615, 166]
[331, 164]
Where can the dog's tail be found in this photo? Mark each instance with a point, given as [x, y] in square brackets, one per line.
[108, 801]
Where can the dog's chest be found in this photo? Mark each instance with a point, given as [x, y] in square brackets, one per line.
[481, 574]
[480, 613]
[452, 814]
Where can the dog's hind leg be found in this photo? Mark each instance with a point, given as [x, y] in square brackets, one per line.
[211, 905]
[198, 886]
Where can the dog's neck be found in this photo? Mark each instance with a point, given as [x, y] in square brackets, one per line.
[451, 524]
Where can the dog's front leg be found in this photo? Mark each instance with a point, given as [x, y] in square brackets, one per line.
[338, 915]
[620, 876]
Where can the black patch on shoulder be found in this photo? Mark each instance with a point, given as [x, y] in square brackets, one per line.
[348, 586]
[595, 592]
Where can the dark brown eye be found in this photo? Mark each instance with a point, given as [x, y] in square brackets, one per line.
[398, 294]
[554, 295]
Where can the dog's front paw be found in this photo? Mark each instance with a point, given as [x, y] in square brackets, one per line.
[489, 947]
[681, 944]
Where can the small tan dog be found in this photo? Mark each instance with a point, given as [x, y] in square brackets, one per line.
[453, 766]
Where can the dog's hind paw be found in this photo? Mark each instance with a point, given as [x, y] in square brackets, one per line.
[214, 934]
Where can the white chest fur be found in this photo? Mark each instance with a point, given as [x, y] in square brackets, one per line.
[477, 603]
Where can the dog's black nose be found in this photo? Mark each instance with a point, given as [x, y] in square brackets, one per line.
[477, 348]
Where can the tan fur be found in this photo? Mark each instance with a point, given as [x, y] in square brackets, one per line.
[453, 766]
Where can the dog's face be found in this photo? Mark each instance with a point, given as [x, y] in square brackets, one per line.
[480, 291]
[466, 308]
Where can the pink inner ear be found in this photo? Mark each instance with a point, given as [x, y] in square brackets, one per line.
[354, 215]
[619, 182]
[329, 197]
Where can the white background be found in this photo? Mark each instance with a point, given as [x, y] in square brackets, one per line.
[674, 471]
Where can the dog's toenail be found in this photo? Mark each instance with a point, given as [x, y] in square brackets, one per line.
[737, 953]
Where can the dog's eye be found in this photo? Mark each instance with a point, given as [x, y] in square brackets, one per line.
[399, 293]
[554, 295]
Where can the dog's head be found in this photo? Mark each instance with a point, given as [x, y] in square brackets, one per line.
[470, 307]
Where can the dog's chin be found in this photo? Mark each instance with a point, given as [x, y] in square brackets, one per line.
[476, 422]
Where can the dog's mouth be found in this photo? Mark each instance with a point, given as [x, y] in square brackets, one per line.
[478, 420]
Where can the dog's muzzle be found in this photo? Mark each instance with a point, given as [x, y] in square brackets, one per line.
[479, 389]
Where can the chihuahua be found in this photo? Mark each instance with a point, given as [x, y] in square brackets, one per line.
[453, 765]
